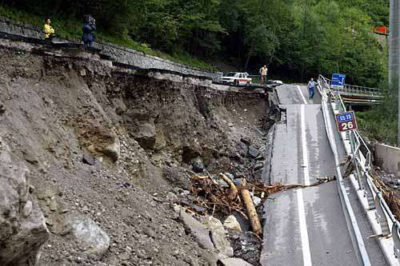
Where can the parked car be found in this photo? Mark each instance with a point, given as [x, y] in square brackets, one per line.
[236, 78]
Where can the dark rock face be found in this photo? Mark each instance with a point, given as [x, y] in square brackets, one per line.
[22, 227]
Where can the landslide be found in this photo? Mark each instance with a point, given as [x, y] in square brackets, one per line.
[112, 145]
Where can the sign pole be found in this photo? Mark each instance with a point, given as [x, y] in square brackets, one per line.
[394, 54]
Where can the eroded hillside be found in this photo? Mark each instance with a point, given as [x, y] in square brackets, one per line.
[115, 149]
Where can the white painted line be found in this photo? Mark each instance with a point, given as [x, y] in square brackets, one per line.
[302, 95]
[306, 169]
[305, 244]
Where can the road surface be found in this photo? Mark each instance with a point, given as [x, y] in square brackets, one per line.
[307, 226]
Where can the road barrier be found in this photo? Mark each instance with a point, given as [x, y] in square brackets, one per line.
[383, 222]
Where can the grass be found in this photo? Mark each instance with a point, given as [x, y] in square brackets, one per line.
[71, 29]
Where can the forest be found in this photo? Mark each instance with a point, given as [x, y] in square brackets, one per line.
[295, 38]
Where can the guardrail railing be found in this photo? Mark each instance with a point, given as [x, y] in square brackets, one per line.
[384, 223]
[355, 89]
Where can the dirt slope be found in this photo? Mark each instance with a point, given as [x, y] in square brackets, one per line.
[144, 134]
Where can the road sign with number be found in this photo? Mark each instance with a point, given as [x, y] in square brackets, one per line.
[346, 121]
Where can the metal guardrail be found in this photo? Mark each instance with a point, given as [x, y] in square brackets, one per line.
[361, 157]
[355, 89]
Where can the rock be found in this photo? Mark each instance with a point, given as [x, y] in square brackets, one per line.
[146, 135]
[89, 236]
[88, 159]
[198, 165]
[198, 209]
[237, 182]
[253, 152]
[246, 141]
[30, 157]
[232, 223]
[218, 236]
[234, 262]
[171, 197]
[113, 150]
[258, 166]
[256, 201]
[26, 211]
[230, 176]
[22, 233]
[197, 229]
[242, 148]
[244, 223]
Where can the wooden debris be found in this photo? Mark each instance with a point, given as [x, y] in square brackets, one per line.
[251, 210]
[233, 190]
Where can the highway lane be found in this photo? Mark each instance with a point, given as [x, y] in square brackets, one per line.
[306, 226]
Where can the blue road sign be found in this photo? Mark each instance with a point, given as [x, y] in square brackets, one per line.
[338, 79]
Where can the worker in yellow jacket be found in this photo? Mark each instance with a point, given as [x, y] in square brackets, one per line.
[48, 29]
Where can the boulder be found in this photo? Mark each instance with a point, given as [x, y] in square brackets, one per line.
[22, 225]
[200, 232]
[89, 236]
[218, 236]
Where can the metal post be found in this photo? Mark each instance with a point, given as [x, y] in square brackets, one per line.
[394, 55]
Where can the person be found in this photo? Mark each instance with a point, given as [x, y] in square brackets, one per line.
[88, 29]
[263, 73]
[311, 88]
[48, 29]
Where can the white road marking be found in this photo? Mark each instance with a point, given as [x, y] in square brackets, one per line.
[306, 169]
[302, 95]
[300, 201]
[303, 229]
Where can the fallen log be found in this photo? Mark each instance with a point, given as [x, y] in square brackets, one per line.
[251, 210]
[233, 192]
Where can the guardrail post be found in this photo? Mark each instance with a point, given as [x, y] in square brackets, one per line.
[380, 216]
[358, 173]
[370, 195]
[396, 240]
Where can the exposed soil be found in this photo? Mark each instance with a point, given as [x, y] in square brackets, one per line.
[143, 134]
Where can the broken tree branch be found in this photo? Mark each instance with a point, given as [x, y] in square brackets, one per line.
[251, 210]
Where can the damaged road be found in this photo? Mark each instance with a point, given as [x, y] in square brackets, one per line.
[306, 226]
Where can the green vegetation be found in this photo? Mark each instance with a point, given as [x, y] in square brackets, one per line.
[380, 123]
[71, 29]
[296, 38]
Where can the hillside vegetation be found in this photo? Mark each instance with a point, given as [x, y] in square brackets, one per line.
[296, 38]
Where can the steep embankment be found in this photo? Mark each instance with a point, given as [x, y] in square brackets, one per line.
[111, 149]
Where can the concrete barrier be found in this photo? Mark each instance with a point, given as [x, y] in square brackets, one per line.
[388, 158]
[117, 54]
